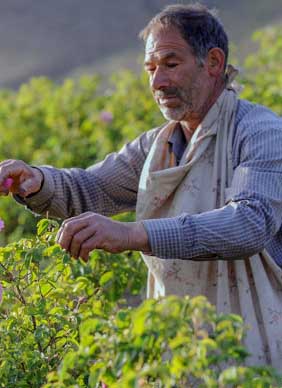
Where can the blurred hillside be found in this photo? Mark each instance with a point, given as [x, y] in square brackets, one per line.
[57, 37]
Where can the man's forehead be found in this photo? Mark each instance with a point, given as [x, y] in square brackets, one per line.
[165, 38]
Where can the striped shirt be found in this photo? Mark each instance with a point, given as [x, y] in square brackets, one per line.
[250, 222]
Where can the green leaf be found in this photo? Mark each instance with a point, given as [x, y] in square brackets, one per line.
[106, 277]
[42, 226]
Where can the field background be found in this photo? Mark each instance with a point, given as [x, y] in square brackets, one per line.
[59, 38]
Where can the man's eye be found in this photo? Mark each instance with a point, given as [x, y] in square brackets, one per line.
[171, 65]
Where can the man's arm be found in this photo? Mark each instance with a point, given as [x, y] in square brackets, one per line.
[107, 188]
[82, 234]
[252, 215]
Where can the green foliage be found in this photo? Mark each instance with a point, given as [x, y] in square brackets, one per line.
[170, 342]
[69, 322]
[263, 78]
[63, 125]
[47, 295]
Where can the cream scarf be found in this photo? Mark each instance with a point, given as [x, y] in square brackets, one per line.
[250, 287]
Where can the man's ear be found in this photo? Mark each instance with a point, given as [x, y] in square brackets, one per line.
[215, 61]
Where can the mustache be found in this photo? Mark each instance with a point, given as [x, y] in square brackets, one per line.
[167, 92]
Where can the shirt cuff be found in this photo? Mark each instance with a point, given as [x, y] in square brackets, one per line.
[170, 238]
[38, 201]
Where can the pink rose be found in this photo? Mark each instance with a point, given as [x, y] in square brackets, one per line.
[8, 183]
[106, 116]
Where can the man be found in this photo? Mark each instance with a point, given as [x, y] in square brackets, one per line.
[206, 186]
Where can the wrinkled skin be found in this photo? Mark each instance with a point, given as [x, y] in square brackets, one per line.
[82, 234]
[25, 179]
[183, 88]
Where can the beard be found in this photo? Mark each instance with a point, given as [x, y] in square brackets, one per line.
[176, 113]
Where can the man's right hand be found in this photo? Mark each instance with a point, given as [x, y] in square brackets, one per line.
[25, 179]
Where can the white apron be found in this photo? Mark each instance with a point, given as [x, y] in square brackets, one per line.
[251, 287]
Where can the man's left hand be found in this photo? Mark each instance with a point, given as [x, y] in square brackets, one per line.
[82, 234]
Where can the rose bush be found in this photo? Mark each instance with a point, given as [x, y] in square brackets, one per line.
[47, 295]
[68, 322]
[171, 342]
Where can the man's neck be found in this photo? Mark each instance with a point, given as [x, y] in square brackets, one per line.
[191, 124]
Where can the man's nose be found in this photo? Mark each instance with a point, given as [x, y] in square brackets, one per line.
[159, 80]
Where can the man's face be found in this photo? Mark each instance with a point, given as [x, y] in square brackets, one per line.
[177, 81]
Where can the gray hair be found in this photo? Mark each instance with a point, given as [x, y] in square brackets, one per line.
[197, 24]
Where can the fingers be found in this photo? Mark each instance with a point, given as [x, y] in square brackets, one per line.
[7, 169]
[7, 184]
[82, 234]
[69, 229]
[5, 179]
[87, 247]
[77, 235]
[65, 222]
[19, 178]
[79, 241]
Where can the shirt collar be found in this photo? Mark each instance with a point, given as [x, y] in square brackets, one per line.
[177, 142]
